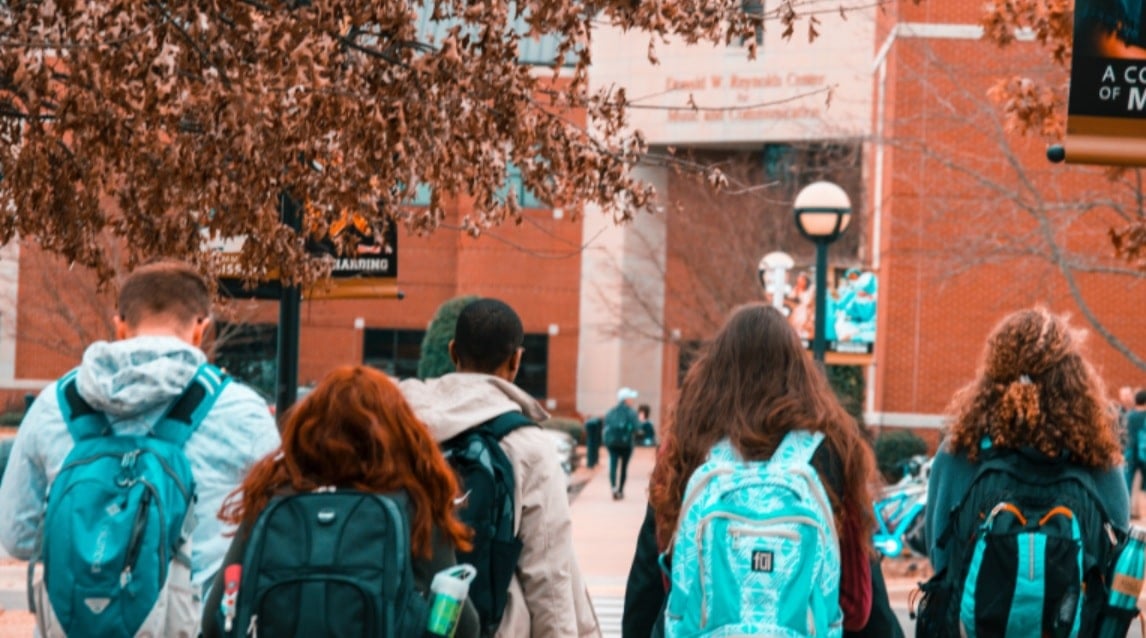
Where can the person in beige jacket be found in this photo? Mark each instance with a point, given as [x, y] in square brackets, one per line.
[547, 596]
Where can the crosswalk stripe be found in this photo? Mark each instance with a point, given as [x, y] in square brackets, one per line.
[609, 610]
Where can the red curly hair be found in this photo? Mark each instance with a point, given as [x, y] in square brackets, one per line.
[355, 430]
[1035, 389]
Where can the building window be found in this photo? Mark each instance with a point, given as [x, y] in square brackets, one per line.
[533, 377]
[754, 8]
[247, 352]
[687, 352]
[515, 183]
[779, 162]
[395, 352]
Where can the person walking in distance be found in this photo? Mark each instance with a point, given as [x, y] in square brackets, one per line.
[159, 438]
[532, 585]
[621, 424]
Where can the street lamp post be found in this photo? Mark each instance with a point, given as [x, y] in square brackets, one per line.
[823, 212]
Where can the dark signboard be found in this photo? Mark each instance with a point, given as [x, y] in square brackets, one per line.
[366, 267]
[1106, 123]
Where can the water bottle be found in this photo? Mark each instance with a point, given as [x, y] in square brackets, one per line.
[448, 592]
[1125, 585]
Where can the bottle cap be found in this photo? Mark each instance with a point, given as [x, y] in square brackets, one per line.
[1138, 534]
[454, 581]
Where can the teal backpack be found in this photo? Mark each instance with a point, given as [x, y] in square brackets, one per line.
[620, 426]
[756, 551]
[115, 545]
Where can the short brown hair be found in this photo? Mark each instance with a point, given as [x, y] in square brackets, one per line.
[171, 289]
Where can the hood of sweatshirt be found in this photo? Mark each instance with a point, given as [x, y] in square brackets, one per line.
[451, 404]
[130, 379]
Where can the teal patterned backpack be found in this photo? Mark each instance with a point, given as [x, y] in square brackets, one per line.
[756, 551]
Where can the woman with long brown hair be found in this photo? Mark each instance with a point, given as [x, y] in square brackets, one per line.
[1034, 420]
[752, 385]
[355, 431]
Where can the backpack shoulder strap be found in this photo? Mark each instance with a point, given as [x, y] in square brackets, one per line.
[798, 446]
[189, 410]
[82, 420]
[502, 424]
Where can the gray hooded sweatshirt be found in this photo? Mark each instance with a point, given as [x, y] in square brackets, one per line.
[133, 382]
[547, 597]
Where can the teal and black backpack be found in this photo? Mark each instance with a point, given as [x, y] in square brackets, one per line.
[327, 564]
[115, 545]
[1029, 547]
[756, 551]
[620, 426]
[488, 508]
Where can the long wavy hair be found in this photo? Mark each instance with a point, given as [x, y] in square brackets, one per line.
[753, 384]
[355, 430]
[1035, 389]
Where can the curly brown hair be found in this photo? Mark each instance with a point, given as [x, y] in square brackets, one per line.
[753, 384]
[1035, 389]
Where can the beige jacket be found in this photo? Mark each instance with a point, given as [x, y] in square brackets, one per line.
[547, 597]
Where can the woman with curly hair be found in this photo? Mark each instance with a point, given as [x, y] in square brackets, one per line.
[1034, 416]
[752, 385]
[1034, 393]
[356, 431]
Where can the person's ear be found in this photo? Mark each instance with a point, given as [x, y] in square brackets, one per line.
[199, 330]
[121, 329]
[515, 364]
[453, 354]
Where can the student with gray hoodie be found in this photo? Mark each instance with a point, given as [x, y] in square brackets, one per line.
[164, 310]
[547, 597]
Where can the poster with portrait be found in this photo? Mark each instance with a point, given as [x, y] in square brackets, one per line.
[1106, 121]
[851, 302]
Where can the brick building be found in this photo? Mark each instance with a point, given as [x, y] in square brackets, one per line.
[961, 220]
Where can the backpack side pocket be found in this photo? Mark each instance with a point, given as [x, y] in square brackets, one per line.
[934, 616]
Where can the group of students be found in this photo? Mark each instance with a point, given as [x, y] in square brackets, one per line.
[153, 495]
[760, 516]
[146, 481]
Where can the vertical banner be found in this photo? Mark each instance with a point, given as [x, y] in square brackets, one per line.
[852, 298]
[1106, 121]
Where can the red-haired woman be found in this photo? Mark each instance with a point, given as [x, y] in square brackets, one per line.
[356, 431]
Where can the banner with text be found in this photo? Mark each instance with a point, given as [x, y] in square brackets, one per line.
[1106, 122]
[368, 270]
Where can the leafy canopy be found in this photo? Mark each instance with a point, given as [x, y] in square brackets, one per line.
[152, 123]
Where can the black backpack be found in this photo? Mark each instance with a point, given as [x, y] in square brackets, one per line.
[1029, 540]
[329, 564]
[487, 481]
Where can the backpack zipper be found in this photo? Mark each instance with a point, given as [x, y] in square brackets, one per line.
[135, 545]
[253, 626]
[122, 455]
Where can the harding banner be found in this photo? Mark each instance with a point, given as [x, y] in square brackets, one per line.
[1107, 110]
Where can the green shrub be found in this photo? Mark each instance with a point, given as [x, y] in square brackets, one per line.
[572, 427]
[894, 447]
[435, 358]
[11, 418]
[848, 384]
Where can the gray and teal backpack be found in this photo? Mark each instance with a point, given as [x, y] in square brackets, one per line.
[756, 551]
[115, 545]
[1029, 548]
